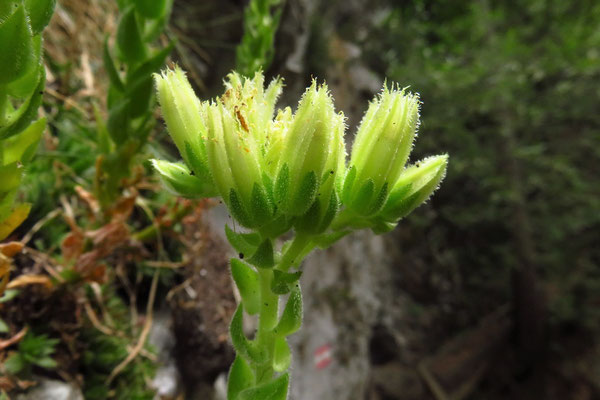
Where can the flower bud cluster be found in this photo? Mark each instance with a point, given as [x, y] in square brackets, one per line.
[284, 169]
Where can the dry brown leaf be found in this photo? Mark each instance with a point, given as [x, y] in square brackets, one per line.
[6, 383]
[4, 272]
[72, 246]
[11, 249]
[123, 208]
[89, 198]
[30, 279]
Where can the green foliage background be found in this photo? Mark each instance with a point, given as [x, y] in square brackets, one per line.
[511, 92]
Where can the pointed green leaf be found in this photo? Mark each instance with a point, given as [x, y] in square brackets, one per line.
[244, 243]
[16, 46]
[11, 176]
[241, 344]
[21, 147]
[181, 181]
[309, 222]
[332, 210]
[150, 66]
[277, 227]
[272, 390]
[25, 86]
[240, 378]
[291, 319]
[46, 362]
[283, 280]
[263, 257]
[423, 178]
[306, 194]
[111, 69]
[379, 200]
[118, 121]
[282, 356]
[129, 38]
[362, 199]
[282, 186]
[237, 209]
[246, 280]
[262, 210]
[141, 97]
[151, 9]
[20, 119]
[348, 183]
[14, 364]
[196, 163]
[40, 12]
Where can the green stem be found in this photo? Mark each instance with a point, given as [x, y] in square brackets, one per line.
[265, 338]
[291, 256]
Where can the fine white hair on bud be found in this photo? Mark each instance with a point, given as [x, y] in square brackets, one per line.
[380, 150]
[278, 169]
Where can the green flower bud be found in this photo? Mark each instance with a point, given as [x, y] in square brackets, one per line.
[415, 185]
[311, 150]
[381, 148]
[325, 207]
[238, 127]
[183, 115]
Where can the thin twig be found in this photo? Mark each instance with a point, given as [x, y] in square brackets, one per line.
[38, 225]
[45, 261]
[165, 264]
[438, 392]
[66, 100]
[94, 319]
[15, 339]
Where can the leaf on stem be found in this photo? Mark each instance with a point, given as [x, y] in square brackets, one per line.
[241, 344]
[240, 378]
[273, 390]
[282, 356]
[244, 243]
[291, 319]
[246, 280]
[282, 281]
[263, 257]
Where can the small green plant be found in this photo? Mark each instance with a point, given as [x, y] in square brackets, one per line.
[261, 20]
[130, 96]
[22, 80]
[104, 352]
[284, 174]
[33, 350]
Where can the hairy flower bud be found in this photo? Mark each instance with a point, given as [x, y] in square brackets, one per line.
[310, 152]
[182, 112]
[326, 205]
[239, 126]
[381, 148]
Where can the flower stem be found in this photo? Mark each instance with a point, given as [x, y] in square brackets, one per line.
[265, 337]
[291, 256]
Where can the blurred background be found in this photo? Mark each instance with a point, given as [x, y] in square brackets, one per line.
[489, 291]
